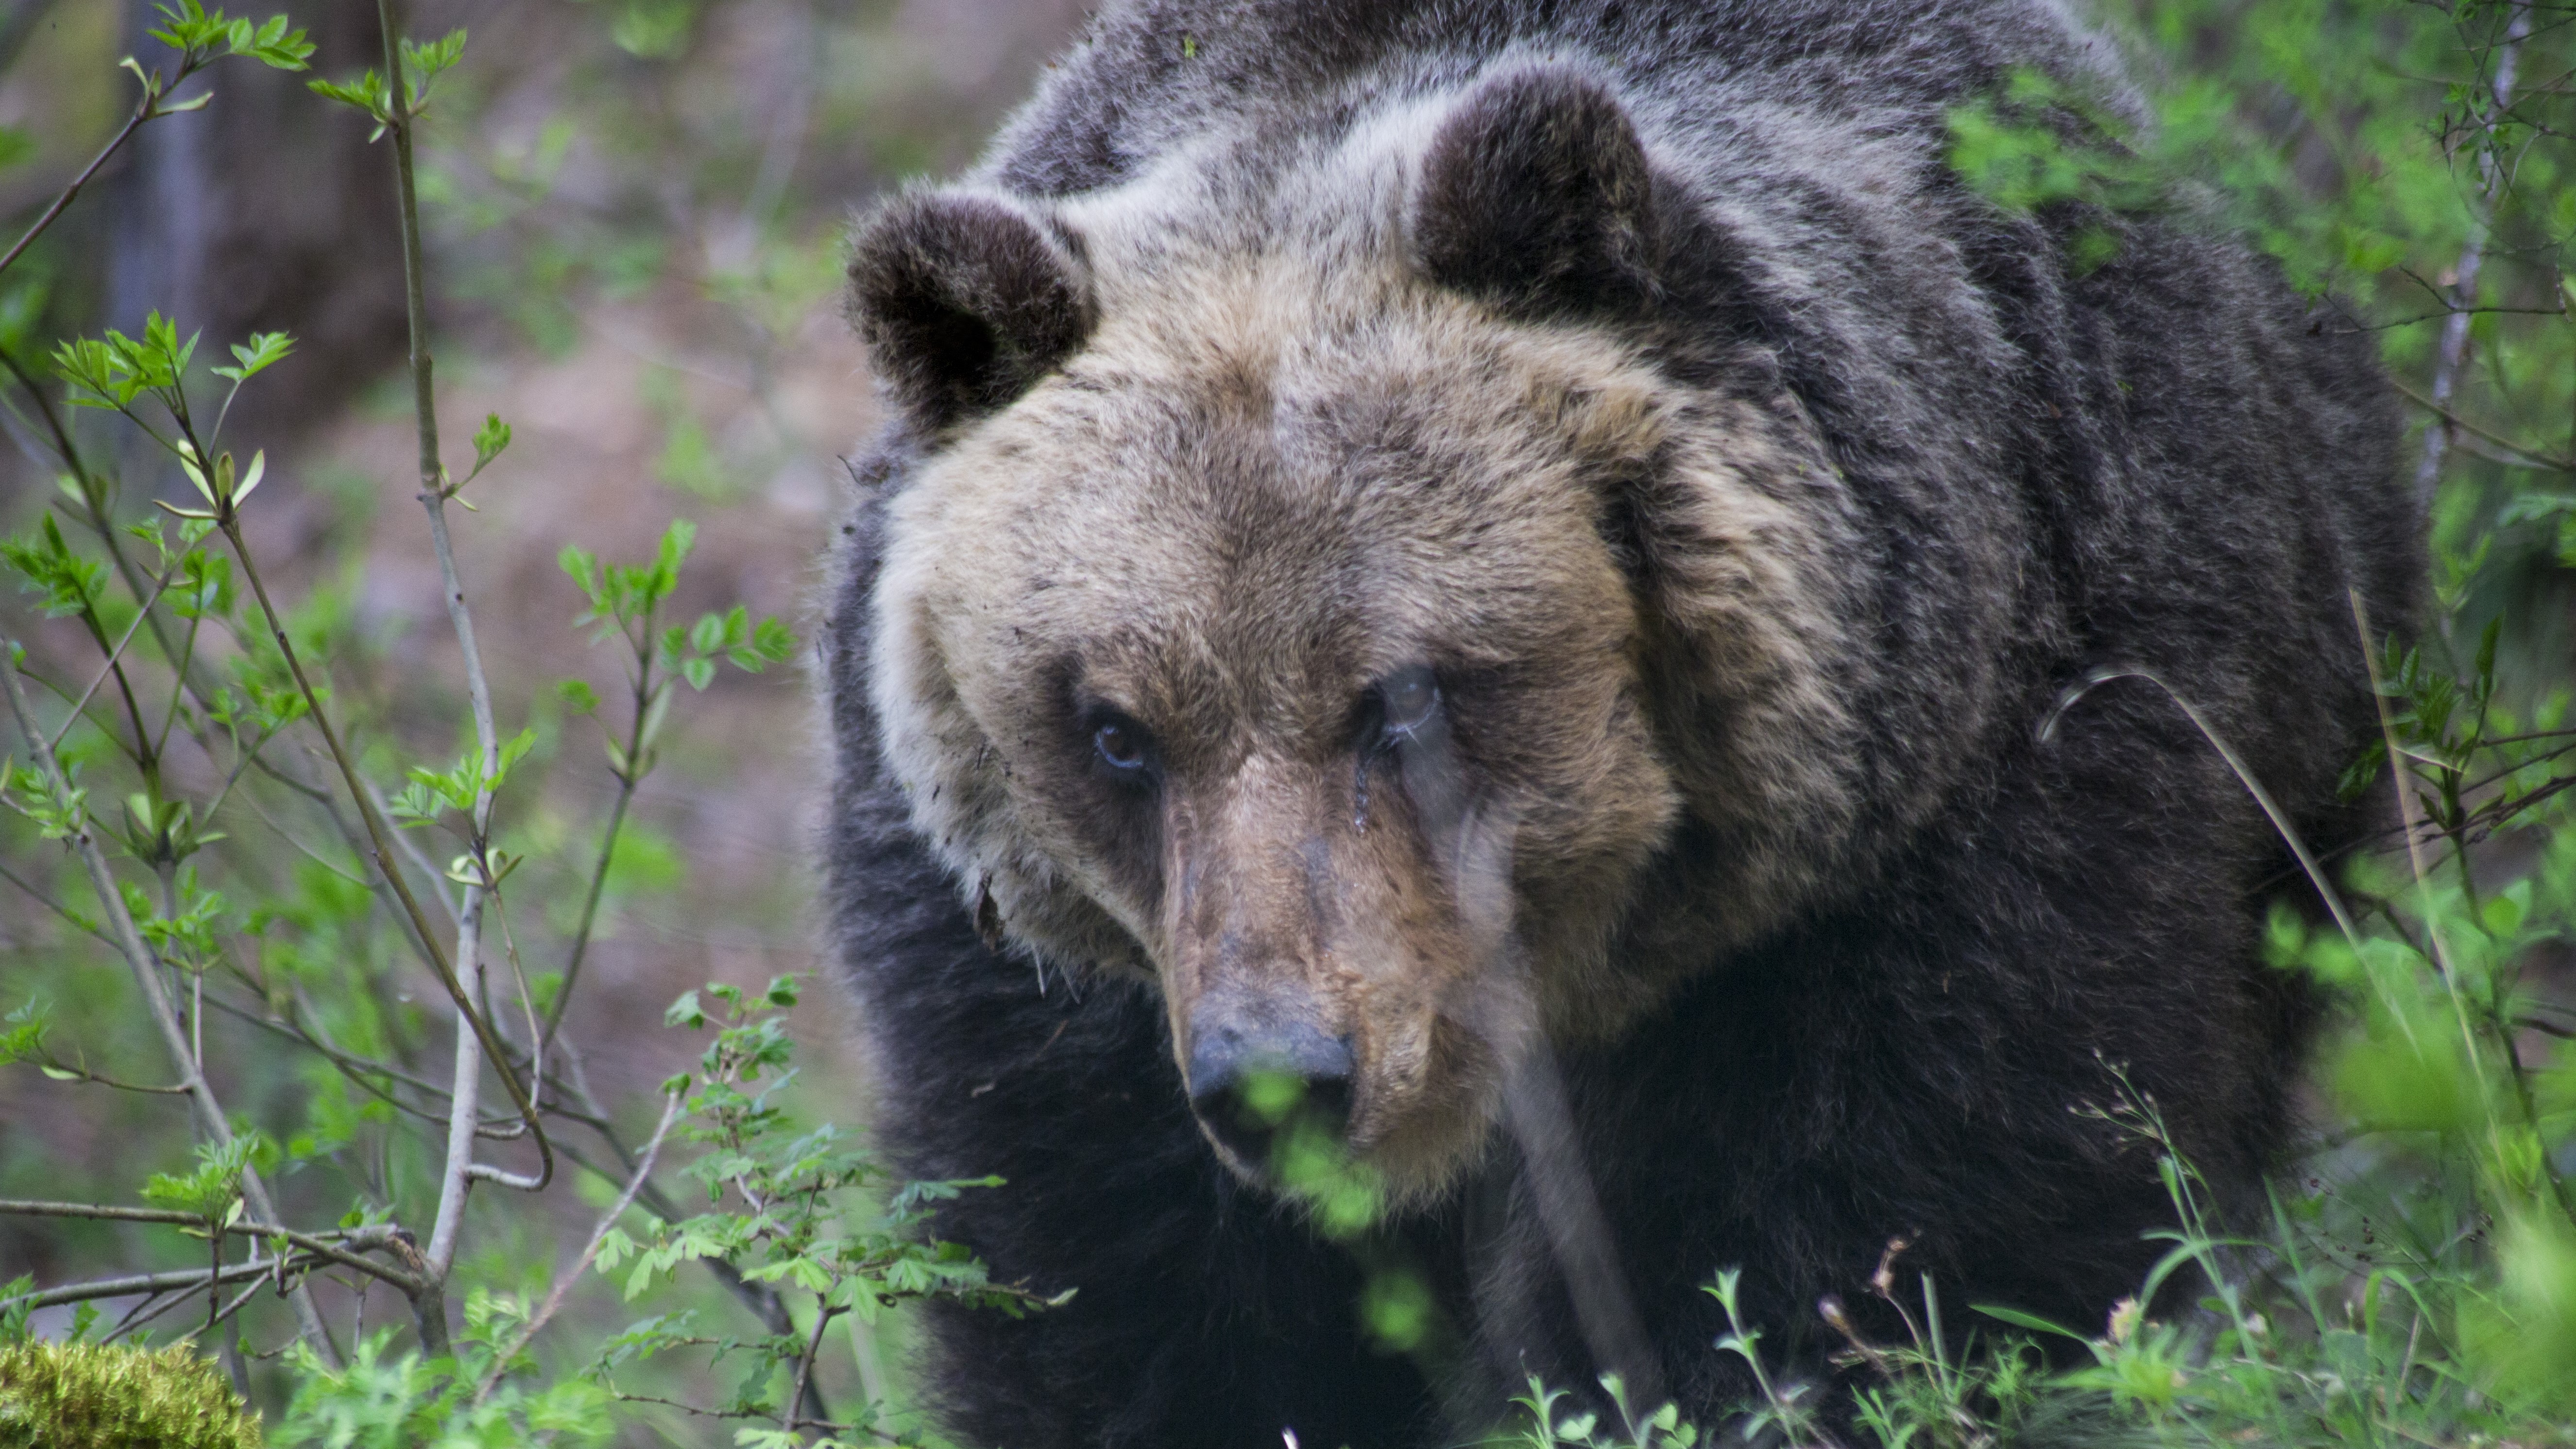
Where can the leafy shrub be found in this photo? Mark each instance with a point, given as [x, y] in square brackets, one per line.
[215, 702]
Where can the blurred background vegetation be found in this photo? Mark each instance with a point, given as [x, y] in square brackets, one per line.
[633, 213]
[633, 210]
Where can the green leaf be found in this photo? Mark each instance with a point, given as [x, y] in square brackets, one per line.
[708, 634]
[25, 1039]
[262, 351]
[367, 93]
[490, 441]
[2019, 1319]
[677, 541]
[685, 1012]
[272, 44]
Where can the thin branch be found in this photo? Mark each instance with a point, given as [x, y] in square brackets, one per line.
[142, 746]
[147, 109]
[627, 781]
[460, 1170]
[372, 1238]
[2464, 277]
[380, 847]
[186, 1278]
[797, 1397]
[83, 1075]
[825, 1425]
[2528, 457]
[53, 905]
[146, 969]
[589, 1252]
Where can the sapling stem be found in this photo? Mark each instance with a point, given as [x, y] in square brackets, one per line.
[2454, 346]
[627, 781]
[109, 668]
[2451, 988]
[380, 846]
[473, 1043]
[145, 110]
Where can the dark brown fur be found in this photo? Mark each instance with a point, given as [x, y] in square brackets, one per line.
[1750, 490]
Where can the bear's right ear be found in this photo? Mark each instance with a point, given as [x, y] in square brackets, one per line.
[1536, 196]
[964, 302]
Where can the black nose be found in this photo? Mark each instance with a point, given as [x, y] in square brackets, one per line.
[1250, 1085]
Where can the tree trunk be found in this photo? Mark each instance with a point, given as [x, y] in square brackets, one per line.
[266, 212]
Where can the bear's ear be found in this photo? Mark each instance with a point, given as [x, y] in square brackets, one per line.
[964, 302]
[1536, 196]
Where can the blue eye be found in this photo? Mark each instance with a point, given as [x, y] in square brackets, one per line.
[1121, 745]
[1407, 699]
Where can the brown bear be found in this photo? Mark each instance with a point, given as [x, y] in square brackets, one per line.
[1501, 564]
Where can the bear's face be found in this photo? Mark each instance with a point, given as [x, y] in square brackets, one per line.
[1290, 624]
[1300, 657]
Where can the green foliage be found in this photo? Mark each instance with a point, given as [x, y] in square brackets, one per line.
[788, 1208]
[45, 564]
[191, 29]
[91, 1396]
[380, 1400]
[213, 1190]
[1550, 1426]
[652, 29]
[371, 93]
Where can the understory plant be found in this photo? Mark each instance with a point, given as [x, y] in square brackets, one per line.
[348, 973]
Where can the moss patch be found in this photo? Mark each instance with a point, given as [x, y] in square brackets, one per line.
[88, 1396]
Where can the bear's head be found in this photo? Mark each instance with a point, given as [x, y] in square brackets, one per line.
[1316, 594]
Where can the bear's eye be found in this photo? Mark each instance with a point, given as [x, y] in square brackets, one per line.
[1121, 744]
[1407, 699]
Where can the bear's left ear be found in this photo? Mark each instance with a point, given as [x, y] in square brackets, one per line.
[1536, 196]
[964, 301]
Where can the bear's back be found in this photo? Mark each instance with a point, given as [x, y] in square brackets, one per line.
[1149, 75]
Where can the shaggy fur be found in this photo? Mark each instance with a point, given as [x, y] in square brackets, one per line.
[1752, 490]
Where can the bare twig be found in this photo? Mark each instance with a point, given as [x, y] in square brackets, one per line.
[146, 109]
[340, 1246]
[627, 781]
[589, 1252]
[2464, 278]
[2521, 455]
[475, 1038]
[13, 878]
[380, 847]
[114, 654]
[824, 1313]
[187, 1278]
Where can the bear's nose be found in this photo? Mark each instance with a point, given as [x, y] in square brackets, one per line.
[1249, 1085]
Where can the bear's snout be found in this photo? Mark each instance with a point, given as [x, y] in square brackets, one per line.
[1253, 1079]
